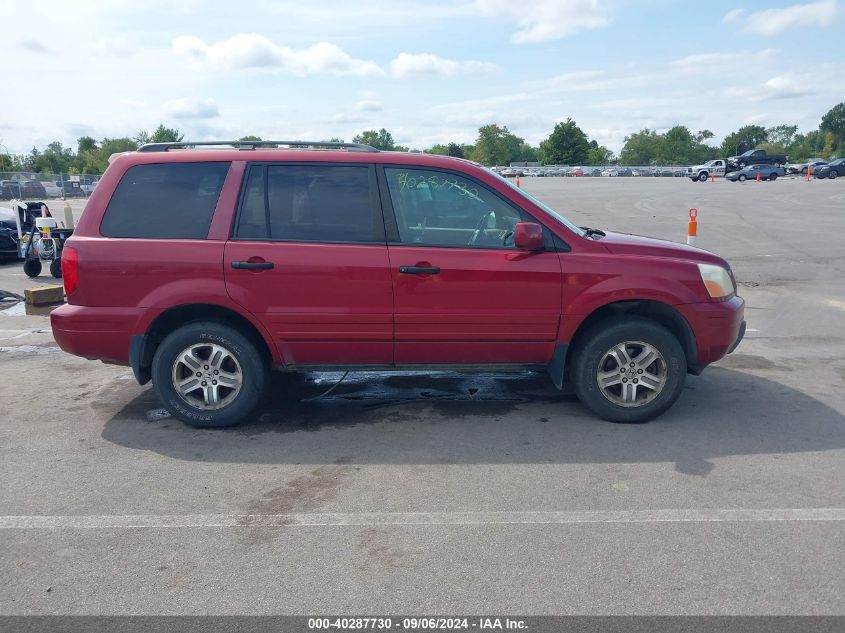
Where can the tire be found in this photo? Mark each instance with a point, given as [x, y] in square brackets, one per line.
[56, 268]
[702, 177]
[773, 176]
[32, 267]
[742, 178]
[832, 175]
[593, 356]
[240, 364]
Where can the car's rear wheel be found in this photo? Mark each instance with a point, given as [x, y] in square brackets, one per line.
[629, 369]
[208, 374]
[773, 176]
[832, 175]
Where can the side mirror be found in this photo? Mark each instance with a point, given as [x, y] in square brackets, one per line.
[528, 236]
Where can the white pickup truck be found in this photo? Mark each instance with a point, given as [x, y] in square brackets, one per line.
[715, 167]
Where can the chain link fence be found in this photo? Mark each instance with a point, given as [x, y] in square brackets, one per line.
[40, 185]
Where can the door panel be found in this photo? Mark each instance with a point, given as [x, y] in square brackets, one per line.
[322, 303]
[310, 260]
[484, 306]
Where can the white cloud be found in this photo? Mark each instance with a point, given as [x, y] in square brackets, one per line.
[719, 60]
[116, 46]
[774, 21]
[192, 108]
[732, 16]
[775, 88]
[410, 65]
[368, 105]
[251, 50]
[544, 20]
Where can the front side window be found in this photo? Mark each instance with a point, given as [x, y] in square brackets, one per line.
[438, 208]
[164, 200]
[309, 203]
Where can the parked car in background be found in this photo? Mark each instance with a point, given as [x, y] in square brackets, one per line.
[832, 170]
[70, 189]
[766, 172]
[801, 168]
[301, 258]
[512, 173]
[701, 173]
[577, 172]
[52, 189]
[32, 189]
[10, 189]
[595, 173]
[624, 172]
[756, 157]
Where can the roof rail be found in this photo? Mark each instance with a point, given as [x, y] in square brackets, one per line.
[247, 145]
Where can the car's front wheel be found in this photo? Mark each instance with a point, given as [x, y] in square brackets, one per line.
[742, 177]
[208, 374]
[629, 369]
[773, 176]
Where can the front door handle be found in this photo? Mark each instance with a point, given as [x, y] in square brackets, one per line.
[419, 270]
[252, 265]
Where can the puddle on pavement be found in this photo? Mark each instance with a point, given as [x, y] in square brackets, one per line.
[22, 308]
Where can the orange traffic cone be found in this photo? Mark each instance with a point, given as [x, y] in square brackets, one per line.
[758, 176]
[808, 173]
[517, 180]
[712, 178]
[692, 227]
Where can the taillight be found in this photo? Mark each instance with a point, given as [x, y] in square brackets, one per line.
[70, 269]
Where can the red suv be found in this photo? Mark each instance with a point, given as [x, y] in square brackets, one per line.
[205, 268]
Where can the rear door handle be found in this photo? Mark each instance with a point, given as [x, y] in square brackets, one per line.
[252, 265]
[419, 270]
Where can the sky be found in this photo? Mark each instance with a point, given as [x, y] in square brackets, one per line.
[430, 71]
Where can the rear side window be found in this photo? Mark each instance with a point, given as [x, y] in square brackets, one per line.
[310, 203]
[167, 200]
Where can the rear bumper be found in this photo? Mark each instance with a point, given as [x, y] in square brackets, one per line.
[718, 328]
[94, 332]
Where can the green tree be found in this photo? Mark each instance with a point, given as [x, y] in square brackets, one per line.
[781, 135]
[748, 137]
[439, 149]
[491, 148]
[381, 139]
[455, 150]
[834, 121]
[640, 148]
[599, 154]
[250, 137]
[566, 145]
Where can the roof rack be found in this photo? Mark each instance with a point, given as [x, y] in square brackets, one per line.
[248, 145]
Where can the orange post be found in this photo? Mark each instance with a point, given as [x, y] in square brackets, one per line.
[692, 227]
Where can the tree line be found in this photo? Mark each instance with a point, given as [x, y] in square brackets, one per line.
[495, 144]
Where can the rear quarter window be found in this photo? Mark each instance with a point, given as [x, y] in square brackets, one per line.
[166, 200]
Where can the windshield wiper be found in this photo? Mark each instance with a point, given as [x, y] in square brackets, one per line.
[592, 233]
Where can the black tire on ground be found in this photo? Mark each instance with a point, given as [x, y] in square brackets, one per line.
[32, 267]
[832, 175]
[742, 178]
[702, 177]
[56, 268]
[249, 361]
[773, 176]
[603, 337]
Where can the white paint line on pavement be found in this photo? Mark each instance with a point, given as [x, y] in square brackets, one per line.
[327, 519]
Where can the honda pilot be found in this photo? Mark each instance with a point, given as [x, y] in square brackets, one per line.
[206, 266]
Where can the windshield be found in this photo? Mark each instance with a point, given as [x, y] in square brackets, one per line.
[544, 207]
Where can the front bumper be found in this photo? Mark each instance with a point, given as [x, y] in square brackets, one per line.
[718, 327]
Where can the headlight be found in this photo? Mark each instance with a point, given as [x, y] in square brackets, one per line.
[717, 280]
